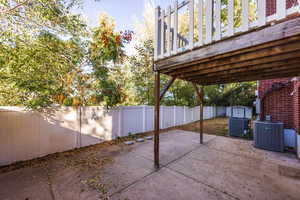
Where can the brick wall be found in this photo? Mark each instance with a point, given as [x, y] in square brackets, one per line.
[296, 106]
[278, 103]
[271, 6]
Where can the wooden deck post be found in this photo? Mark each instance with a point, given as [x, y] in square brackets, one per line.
[156, 119]
[158, 97]
[200, 94]
[201, 114]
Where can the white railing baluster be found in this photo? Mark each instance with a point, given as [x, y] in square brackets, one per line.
[209, 23]
[169, 39]
[280, 9]
[162, 33]
[191, 24]
[245, 15]
[156, 42]
[200, 22]
[175, 42]
[261, 11]
[230, 17]
[218, 20]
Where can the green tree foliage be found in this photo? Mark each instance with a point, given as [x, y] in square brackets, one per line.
[181, 93]
[106, 49]
[242, 94]
[33, 74]
[24, 19]
[48, 55]
[142, 73]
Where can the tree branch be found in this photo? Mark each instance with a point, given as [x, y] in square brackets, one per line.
[16, 7]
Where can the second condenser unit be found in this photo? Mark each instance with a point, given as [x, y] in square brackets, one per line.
[239, 125]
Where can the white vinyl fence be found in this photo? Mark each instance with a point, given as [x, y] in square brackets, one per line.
[26, 135]
[239, 112]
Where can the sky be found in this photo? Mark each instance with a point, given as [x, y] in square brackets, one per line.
[125, 12]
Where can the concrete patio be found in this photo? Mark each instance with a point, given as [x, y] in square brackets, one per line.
[222, 168]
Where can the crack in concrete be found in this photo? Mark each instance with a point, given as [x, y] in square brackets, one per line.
[133, 183]
[203, 183]
[50, 184]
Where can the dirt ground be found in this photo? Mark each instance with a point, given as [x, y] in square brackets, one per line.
[217, 126]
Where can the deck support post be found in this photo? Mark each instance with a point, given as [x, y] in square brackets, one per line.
[158, 96]
[200, 94]
[201, 117]
[156, 118]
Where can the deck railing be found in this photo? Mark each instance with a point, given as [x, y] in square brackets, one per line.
[208, 24]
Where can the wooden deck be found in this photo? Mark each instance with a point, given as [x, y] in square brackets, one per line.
[273, 51]
[221, 53]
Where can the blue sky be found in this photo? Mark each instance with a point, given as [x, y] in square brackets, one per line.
[123, 11]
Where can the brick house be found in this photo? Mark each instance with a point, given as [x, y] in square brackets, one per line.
[280, 97]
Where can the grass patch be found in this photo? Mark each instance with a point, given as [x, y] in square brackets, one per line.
[217, 126]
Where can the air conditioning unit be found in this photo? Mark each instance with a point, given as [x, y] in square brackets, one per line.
[269, 136]
[238, 127]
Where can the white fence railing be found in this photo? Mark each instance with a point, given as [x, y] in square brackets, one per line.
[26, 135]
[208, 23]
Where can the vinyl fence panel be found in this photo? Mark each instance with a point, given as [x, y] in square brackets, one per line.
[238, 111]
[25, 135]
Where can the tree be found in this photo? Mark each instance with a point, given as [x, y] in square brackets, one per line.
[142, 73]
[22, 20]
[36, 63]
[242, 94]
[49, 56]
[105, 51]
[35, 74]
